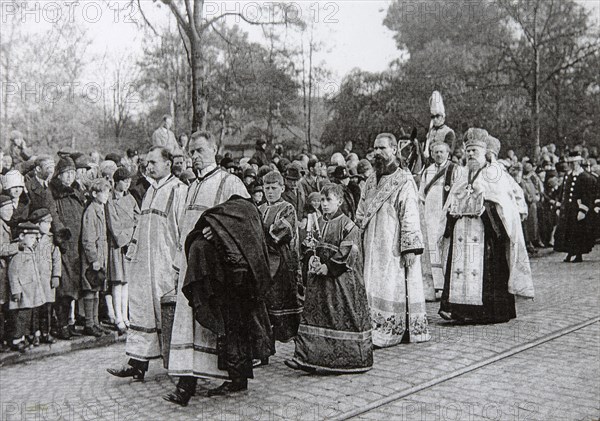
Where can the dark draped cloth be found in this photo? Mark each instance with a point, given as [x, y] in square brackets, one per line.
[498, 304]
[573, 236]
[335, 331]
[226, 282]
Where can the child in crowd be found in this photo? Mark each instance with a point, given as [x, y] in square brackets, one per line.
[95, 254]
[335, 332]
[281, 231]
[122, 212]
[25, 288]
[50, 268]
[256, 191]
[7, 250]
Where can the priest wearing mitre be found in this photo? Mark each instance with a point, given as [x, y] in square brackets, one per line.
[484, 254]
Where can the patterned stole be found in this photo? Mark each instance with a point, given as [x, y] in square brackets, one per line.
[389, 185]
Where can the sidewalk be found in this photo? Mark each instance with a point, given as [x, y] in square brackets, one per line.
[60, 347]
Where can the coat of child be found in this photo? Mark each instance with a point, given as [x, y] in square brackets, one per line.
[7, 250]
[26, 291]
[94, 261]
[335, 331]
[122, 213]
[49, 267]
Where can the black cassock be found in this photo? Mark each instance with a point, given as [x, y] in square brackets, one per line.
[498, 304]
[573, 236]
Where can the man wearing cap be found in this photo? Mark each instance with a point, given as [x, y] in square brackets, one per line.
[193, 351]
[163, 136]
[342, 177]
[260, 155]
[84, 173]
[293, 193]
[438, 131]
[388, 214]
[436, 181]
[151, 263]
[574, 232]
[484, 255]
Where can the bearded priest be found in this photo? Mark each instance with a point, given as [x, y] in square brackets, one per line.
[486, 263]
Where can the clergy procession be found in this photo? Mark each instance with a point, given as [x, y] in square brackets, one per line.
[207, 263]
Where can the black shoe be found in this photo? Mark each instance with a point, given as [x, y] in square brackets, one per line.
[92, 331]
[567, 259]
[127, 371]
[48, 339]
[181, 396]
[577, 259]
[20, 347]
[64, 333]
[105, 329]
[445, 315]
[228, 388]
[73, 331]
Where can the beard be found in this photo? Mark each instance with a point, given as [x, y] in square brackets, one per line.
[379, 164]
[473, 164]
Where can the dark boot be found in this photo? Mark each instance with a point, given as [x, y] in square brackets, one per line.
[227, 388]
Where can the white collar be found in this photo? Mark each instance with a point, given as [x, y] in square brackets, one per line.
[206, 170]
[158, 183]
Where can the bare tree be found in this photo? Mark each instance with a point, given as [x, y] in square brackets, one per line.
[194, 25]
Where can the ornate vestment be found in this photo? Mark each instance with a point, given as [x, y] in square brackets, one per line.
[483, 227]
[388, 214]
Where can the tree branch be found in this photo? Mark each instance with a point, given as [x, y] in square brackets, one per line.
[144, 16]
[180, 19]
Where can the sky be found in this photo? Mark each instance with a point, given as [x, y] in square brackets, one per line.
[351, 31]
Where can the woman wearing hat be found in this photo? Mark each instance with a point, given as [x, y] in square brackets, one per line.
[70, 203]
[13, 184]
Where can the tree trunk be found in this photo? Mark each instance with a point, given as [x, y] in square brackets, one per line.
[536, 105]
[199, 102]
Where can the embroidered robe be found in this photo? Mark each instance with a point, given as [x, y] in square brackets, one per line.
[388, 213]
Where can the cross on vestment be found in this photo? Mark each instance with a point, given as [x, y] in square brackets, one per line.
[469, 189]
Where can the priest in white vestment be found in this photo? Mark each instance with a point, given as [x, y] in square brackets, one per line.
[436, 181]
[193, 351]
[149, 262]
[388, 214]
[485, 259]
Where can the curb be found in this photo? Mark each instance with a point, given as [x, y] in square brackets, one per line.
[60, 347]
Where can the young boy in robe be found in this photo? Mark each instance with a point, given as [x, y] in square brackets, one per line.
[281, 231]
[335, 331]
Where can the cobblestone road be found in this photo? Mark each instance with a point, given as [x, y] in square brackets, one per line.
[557, 380]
